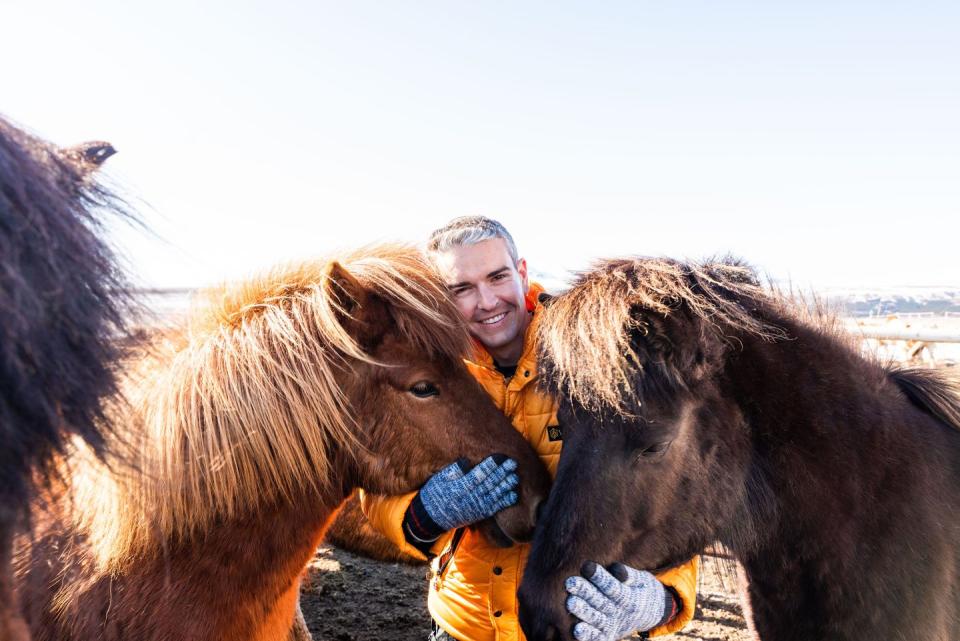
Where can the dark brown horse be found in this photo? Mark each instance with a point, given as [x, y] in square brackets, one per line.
[697, 407]
[246, 429]
[62, 312]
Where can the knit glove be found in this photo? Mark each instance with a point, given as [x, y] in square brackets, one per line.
[611, 607]
[457, 496]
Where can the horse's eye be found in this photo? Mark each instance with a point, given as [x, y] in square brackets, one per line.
[655, 449]
[424, 389]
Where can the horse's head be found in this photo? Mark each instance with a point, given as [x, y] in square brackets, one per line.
[654, 459]
[416, 407]
[310, 380]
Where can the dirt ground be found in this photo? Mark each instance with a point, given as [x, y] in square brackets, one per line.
[351, 598]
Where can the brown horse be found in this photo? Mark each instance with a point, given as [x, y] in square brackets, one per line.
[246, 430]
[63, 305]
[699, 407]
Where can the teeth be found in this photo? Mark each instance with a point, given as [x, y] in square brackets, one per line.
[494, 319]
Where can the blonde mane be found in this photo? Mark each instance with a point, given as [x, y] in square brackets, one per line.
[585, 332]
[242, 405]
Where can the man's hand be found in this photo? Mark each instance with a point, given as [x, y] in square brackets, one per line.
[611, 607]
[457, 496]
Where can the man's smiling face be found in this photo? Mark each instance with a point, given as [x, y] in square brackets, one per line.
[490, 293]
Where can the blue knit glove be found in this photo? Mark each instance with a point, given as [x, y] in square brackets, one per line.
[457, 496]
[610, 608]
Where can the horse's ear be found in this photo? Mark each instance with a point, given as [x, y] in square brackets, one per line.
[87, 157]
[678, 343]
[545, 299]
[344, 288]
[359, 310]
[651, 337]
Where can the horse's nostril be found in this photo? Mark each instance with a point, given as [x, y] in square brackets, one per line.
[539, 511]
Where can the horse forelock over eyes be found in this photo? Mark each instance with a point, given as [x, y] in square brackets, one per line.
[242, 405]
[586, 337]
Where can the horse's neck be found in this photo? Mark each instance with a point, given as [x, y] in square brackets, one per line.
[235, 579]
[810, 398]
[817, 431]
[839, 482]
[271, 544]
[248, 568]
[813, 375]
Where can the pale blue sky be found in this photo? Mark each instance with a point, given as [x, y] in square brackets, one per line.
[819, 140]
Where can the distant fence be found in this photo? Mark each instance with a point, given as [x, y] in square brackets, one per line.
[920, 315]
[893, 334]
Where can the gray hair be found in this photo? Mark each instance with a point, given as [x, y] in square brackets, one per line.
[470, 230]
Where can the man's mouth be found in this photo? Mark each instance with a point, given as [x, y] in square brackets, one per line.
[493, 319]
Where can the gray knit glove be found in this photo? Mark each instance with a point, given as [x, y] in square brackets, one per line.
[610, 608]
[457, 496]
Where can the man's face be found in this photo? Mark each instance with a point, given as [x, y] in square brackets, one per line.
[490, 293]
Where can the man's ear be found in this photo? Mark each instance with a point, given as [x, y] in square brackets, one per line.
[361, 312]
[522, 270]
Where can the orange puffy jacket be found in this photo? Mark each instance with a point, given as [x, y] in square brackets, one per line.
[473, 593]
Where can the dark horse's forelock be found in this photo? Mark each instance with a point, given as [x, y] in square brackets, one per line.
[62, 304]
[594, 337]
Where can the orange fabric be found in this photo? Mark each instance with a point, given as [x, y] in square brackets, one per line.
[475, 598]
[683, 579]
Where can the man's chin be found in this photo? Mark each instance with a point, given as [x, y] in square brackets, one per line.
[490, 341]
[495, 340]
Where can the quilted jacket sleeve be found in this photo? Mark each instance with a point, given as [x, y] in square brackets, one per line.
[385, 514]
[683, 580]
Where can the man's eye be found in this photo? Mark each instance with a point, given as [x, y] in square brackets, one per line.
[424, 389]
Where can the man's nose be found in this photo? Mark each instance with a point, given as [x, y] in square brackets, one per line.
[486, 299]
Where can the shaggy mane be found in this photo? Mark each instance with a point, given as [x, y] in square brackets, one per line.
[584, 335]
[241, 406]
[936, 392]
[64, 303]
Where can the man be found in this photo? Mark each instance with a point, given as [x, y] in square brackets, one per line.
[473, 593]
